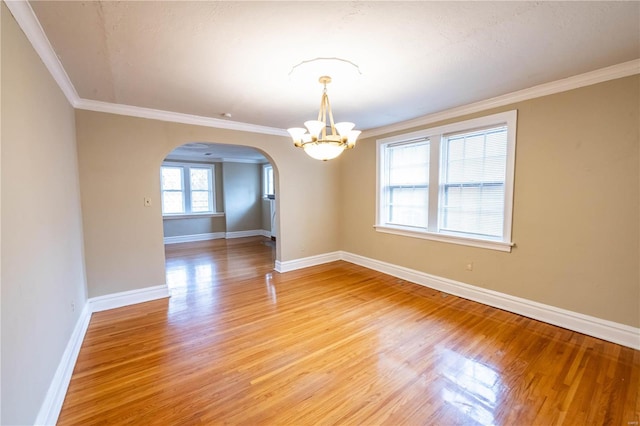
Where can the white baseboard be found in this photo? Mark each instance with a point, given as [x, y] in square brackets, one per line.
[603, 329]
[250, 233]
[126, 298]
[305, 262]
[194, 237]
[215, 236]
[52, 404]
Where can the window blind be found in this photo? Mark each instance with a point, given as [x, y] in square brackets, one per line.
[407, 188]
[200, 183]
[172, 190]
[473, 182]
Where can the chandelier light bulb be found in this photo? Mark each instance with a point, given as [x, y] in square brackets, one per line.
[352, 137]
[314, 127]
[297, 133]
[344, 128]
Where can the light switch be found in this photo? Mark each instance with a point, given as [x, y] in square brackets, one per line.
[147, 202]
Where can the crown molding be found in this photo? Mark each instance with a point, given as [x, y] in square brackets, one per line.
[28, 22]
[613, 72]
[176, 117]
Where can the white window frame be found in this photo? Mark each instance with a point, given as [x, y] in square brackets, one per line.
[186, 189]
[436, 136]
[266, 169]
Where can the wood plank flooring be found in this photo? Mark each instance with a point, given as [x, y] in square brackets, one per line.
[238, 343]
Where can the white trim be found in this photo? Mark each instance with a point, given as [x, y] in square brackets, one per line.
[194, 237]
[28, 22]
[215, 236]
[305, 262]
[602, 329]
[26, 19]
[185, 187]
[52, 404]
[437, 140]
[191, 215]
[24, 15]
[445, 238]
[126, 298]
[621, 334]
[613, 72]
[176, 117]
[250, 233]
[266, 233]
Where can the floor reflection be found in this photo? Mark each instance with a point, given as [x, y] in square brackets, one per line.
[271, 288]
[194, 285]
[177, 277]
[190, 275]
[471, 387]
[201, 276]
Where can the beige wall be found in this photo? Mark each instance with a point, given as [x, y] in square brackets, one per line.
[42, 259]
[576, 213]
[576, 216]
[119, 158]
[266, 215]
[193, 226]
[242, 196]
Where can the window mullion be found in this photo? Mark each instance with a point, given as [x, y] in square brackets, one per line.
[469, 195]
[434, 182]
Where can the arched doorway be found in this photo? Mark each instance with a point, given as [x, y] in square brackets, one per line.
[213, 191]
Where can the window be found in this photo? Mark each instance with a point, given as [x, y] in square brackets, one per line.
[407, 183]
[267, 181]
[186, 189]
[172, 183]
[452, 183]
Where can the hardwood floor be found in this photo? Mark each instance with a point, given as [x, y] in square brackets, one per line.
[238, 343]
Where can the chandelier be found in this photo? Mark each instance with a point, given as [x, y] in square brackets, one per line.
[314, 139]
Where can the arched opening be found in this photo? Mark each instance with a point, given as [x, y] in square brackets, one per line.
[215, 198]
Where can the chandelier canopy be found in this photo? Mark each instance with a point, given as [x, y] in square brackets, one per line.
[314, 139]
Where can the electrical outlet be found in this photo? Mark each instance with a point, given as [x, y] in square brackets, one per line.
[73, 307]
[469, 266]
[147, 202]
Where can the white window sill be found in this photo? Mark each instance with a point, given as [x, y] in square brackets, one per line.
[487, 244]
[192, 215]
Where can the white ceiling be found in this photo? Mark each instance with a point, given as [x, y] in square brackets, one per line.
[208, 58]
